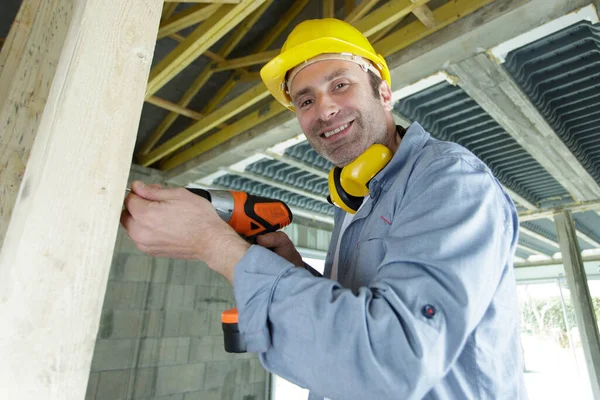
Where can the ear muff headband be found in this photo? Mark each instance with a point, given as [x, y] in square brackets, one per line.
[348, 186]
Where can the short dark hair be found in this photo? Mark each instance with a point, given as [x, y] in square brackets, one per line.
[375, 81]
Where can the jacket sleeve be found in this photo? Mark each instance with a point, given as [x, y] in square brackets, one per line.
[450, 239]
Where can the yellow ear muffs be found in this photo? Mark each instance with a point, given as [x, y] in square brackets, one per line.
[348, 185]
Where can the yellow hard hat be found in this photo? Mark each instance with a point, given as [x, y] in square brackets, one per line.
[311, 38]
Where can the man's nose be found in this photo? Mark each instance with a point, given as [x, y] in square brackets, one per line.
[328, 108]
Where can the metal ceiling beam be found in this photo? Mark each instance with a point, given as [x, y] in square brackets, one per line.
[276, 184]
[532, 250]
[549, 212]
[295, 163]
[490, 85]
[539, 237]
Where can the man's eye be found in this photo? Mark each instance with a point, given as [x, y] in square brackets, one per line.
[340, 85]
[305, 103]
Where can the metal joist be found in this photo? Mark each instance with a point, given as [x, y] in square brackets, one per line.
[497, 93]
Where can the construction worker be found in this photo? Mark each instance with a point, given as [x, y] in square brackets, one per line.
[419, 296]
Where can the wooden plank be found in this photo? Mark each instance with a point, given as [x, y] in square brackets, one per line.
[424, 14]
[203, 126]
[223, 91]
[328, 9]
[206, 1]
[200, 40]
[387, 14]
[78, 90]
[252, 59]
[236, 128]
[349, 7]
[360, 10]
[186, 18]
[443, 15]
[269, 38]
[283, 23]
[201, 80]
[168, 105]
[168, 10]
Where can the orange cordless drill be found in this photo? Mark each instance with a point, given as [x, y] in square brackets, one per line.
[250, 216]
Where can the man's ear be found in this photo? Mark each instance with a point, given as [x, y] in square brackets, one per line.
[385, 94]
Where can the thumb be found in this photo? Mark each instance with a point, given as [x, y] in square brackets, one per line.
[152, 192]
[268, 239]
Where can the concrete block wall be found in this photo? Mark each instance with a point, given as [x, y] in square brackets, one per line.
[160, 333]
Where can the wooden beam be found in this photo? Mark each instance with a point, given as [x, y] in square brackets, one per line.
[200, 40]
[360, 11]
[236, 128]
[186, 18]
[443, 16]
[213, 56]
[206, 1]
[283, 23]
[168, 10]
[201, 80]
[349, 7]
[269, 38]
[328, 9]
[203, 126]
[75, 76]
[384, 32]
[252, 59]
[249, 77]
[387, 14]
[173, 107]
[220, 95]
[425, 15]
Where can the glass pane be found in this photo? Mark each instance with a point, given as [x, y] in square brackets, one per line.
[554, 363]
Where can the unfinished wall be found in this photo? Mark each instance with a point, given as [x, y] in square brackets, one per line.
[160, 332]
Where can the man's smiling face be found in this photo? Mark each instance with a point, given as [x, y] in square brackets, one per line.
[337, 109]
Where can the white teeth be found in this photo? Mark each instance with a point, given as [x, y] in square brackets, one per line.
[338, 130]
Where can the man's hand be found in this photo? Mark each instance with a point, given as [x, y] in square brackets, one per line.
[176, 223]
[281, 244]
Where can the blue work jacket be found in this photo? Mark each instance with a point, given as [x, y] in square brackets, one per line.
[425, 302]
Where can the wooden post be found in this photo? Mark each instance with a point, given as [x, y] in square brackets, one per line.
[580, 296]
[72, 82]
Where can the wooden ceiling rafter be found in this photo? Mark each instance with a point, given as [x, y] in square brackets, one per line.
[186, 18]
[201, 80]
[379, 24]
[269, 37]
[200, 40]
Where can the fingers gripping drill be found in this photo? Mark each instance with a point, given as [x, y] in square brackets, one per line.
[250, 216]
